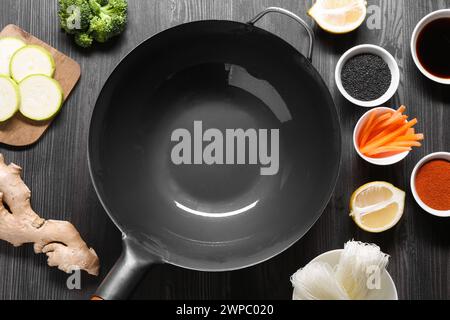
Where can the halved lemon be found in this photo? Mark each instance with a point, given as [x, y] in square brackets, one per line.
[377, 206]
[339, 16]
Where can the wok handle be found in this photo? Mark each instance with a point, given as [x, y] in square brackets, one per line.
[293, 16]
[127, 272]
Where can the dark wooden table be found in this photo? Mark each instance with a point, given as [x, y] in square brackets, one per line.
[56, 168]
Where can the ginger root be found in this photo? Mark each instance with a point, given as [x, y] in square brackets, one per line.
[59, 240]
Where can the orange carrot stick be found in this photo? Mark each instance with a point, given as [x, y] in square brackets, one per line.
[406, 143]
[379, 133]
[401, 109]
[389, 137]
[369, 130]
[366, 127]
[407, 137]
[393, 119]
[387, 149]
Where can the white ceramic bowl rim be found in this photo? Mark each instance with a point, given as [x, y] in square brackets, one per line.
[378, 161]
[432, 156]
[386, 56]
[420, 25]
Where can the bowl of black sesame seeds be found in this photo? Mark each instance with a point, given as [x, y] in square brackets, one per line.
[367, 75]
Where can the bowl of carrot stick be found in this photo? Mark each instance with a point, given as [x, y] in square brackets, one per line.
[385, 136]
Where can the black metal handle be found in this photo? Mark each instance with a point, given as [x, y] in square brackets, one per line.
[293, 16]
[132, 265]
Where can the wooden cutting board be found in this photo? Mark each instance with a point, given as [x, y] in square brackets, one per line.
[19, 131]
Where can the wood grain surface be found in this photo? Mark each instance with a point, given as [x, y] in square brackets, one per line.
[20, 131]
[56, 170]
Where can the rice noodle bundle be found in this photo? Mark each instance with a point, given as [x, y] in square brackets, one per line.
[316, 281]
[356, 261]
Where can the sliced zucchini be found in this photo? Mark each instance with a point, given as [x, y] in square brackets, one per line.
[8, 46]
[31, 60]
[9, 98]
[41, 97]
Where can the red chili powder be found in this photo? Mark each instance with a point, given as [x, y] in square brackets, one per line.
[433, 184]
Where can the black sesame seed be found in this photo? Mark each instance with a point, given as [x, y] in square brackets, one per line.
[366, 77]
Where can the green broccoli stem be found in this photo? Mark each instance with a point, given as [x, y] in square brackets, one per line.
[95, 6]
[103, 12]
[108, 9]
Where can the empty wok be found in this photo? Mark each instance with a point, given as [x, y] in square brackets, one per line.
[166, 168]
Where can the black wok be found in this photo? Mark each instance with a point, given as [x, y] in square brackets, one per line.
[229, 208]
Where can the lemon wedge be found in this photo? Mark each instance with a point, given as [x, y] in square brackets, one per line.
[339, 16]
[377, 206]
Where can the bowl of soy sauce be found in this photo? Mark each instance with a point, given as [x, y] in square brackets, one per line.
[430, 46]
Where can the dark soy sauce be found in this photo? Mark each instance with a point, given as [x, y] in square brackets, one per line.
[433, 47]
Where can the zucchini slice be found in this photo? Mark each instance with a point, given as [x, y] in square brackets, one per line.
[31, 60]
[8, 46]
[9, 98]
[41, 97]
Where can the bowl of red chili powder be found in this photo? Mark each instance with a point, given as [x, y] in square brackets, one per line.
[430, 183]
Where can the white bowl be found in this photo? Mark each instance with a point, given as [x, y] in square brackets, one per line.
[444, 13]
[378, 161]
[376, 50]
[387, 289]
[431, 156]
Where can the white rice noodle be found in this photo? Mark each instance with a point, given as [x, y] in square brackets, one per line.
[358, 260]
[316, 281]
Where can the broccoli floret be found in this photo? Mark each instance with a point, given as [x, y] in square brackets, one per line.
[109, 20]
[91, 20]
[74, 15]
[83, 40]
